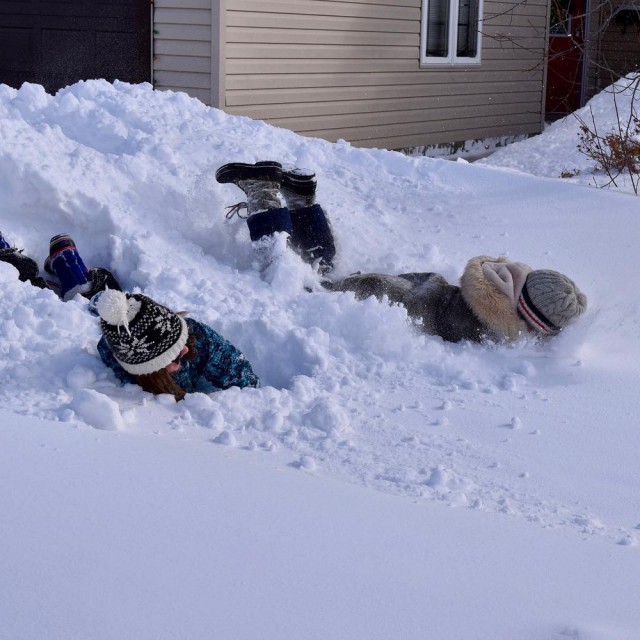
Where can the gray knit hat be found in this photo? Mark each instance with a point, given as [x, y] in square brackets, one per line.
[549, 301]
[143, 335]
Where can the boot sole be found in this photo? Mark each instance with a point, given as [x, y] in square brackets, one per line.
[237, 171]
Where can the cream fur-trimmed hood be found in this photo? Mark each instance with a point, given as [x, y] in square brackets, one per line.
[491, 287]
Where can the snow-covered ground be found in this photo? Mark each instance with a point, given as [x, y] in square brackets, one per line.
[380, 483]
[556, 153]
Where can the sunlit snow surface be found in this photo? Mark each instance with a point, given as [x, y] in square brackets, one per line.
[351, 391]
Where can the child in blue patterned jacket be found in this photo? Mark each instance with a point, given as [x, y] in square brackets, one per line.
[143, 342]
[147, 344]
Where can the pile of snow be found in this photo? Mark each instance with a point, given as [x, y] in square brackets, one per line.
[523, 440]
[555, 152]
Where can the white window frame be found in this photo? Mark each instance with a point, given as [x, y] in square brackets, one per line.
[452, 58]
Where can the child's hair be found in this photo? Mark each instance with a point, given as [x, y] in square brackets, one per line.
[162, 381]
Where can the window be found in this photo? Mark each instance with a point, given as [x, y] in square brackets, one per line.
[560, 18]
[450, 32]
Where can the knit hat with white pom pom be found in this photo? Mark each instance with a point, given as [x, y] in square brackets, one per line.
[143, 335]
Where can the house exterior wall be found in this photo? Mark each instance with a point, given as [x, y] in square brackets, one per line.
[614, 47]
[350, 70]
[337, 69]
[184, 38]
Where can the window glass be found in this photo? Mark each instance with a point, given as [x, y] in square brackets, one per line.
[560, 18]
[451, 31]
[467, 28]
[438, 28]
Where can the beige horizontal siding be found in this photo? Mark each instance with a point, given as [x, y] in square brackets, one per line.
[407, 117]
[503, 11]
[388, 10]
[179, 48]
[350, 69]
[177, 16]
[200, 64]
[239, 35]
[183, 79]
[438, 135]
[377, 83]
[303, 68]
[180, 4]
[366, 85]
[318, 52]
[464, 129]
[194, 32]
[479, 91]
[204, 95]
[366, 111]
[182, 47]
[335, 23]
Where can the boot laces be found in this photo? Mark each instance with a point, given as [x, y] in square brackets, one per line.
[235, 209]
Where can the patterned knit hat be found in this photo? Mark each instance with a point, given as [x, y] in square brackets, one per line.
[65, 263]
[549, 301]
[143, 335]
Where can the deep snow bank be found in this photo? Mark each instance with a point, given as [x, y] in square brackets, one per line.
[349, 388]
[555, 152]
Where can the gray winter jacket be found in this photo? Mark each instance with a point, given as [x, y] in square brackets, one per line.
[483, 307]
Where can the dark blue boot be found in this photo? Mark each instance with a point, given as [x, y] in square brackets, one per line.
[65, 263]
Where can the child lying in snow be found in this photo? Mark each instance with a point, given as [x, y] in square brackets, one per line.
[147, 344]
[497, 300]
[143, 342]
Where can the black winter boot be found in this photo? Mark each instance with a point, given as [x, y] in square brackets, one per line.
[260, 183]
[27, 268]
[298, 188]
[101, 279]
[234, 172]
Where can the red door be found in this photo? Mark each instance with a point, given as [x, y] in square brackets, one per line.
[564, 62]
